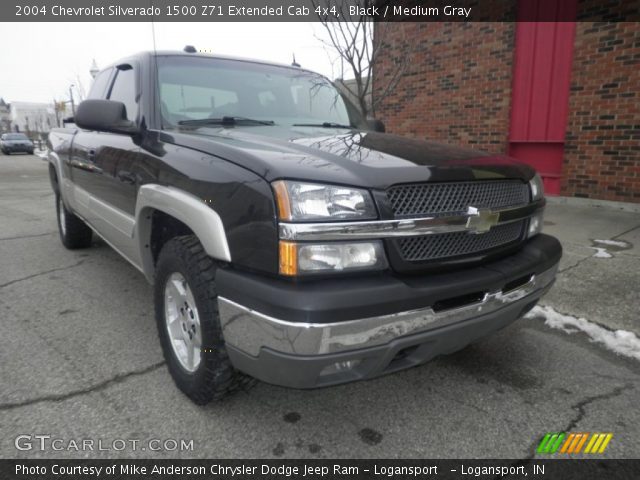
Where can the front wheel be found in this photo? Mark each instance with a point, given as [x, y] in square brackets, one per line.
[186, 308]
[74, 233]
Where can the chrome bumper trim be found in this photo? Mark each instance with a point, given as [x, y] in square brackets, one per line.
[475, 220]
[249, 330]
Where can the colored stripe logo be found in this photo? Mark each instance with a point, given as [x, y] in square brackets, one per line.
[573, 443]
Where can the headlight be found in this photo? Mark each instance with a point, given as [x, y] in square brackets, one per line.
[301, 201]
[537, 187]
[535, 224]
[309, 258]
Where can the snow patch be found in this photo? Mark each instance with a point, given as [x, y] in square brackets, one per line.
[621, 342]
[601, 253]
[615, 243]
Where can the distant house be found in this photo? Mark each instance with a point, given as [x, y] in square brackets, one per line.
[32, 117]
[5, 116]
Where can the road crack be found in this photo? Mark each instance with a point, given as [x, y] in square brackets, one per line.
[17, 280]
[580, 407]
[577, 264]
[20, 237]
[625, 232]
[84, 391]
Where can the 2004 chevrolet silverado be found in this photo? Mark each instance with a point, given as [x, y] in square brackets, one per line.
[287, 238]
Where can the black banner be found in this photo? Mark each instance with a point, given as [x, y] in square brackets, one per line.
[317, 10]
[318, 469]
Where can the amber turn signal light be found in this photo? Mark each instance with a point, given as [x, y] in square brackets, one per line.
[282, 200]
[288, 258]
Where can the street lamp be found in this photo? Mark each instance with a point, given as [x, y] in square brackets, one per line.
[73, 106]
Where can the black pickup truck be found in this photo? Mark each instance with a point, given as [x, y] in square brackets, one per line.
[287, 238]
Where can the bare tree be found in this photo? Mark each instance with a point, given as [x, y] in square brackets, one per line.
[59, 109]
[80, 88]
[360, 45]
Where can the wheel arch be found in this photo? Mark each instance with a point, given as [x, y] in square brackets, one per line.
[53, 178]
[157, 201]
[55, 171]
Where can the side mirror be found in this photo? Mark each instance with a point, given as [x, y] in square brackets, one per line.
[104, 116]
[376, 125]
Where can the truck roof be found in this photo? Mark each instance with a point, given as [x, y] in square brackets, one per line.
[182, 53]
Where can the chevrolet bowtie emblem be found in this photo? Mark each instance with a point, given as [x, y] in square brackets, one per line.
[481, 219]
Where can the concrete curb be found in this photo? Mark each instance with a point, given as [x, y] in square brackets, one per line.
[592, 202]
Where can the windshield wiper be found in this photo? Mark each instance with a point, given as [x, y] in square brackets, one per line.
[323, 125]
[226, 121]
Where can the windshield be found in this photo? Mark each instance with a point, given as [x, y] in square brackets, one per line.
[15, 136]
[197, 88]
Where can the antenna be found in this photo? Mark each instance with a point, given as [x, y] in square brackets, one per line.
[155, 64]
[294, 63]
[153, 35]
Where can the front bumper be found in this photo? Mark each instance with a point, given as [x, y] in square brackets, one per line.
[335, 331]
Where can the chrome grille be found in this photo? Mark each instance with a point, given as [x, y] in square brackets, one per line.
[433, 247]
[413, 200]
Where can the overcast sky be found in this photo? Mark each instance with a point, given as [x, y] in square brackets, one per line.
[38, 61]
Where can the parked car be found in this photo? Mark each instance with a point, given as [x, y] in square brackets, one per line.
[15, 142]
[286, 237]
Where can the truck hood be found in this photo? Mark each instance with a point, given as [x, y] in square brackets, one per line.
[368, 159]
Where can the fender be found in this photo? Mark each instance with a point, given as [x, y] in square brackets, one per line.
[64, 184]
[54, 161]
[190, 210]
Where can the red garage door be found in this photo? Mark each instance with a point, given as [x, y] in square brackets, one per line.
[540, 95]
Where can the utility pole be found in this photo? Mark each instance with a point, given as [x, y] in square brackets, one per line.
[73, 106]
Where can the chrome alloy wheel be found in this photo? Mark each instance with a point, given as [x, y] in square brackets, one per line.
[183, 323]
[63, 216]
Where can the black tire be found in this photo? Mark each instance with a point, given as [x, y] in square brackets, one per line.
[74, 233]
[7, 152]
[214, 377]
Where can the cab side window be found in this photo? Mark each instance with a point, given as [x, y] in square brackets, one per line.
[100, 84]
[124, 90]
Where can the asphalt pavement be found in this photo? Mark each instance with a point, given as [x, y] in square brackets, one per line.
[80, 359]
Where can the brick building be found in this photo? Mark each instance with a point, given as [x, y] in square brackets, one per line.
[564, 97]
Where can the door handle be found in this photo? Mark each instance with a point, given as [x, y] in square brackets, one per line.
[127, 177]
